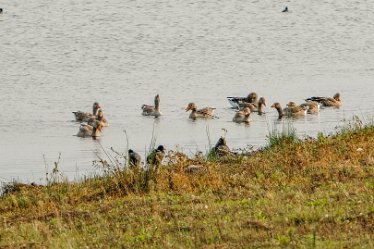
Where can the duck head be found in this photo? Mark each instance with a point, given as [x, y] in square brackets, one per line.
[160, 148]
[337, 97]
[191, 106]
[252, 97]
[95, 108]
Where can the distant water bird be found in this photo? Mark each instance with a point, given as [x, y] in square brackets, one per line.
[134, 159]
[292, 110]
[285, 9]
[150, 110]
[85, 116]
[256, 107]
[100, 117]
[1, 10]
[156, 156]
[86, 130]
[327, 101]
[242, 116]
[206, 112]
[312, 107]
[238, 102]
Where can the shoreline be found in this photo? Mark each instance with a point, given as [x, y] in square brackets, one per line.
[304, 193]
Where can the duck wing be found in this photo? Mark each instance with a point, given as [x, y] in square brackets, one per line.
[207, 111]
[82, 116]
[148, 109]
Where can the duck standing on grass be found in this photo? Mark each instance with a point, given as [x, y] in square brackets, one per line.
[134, 159]
[327, 101]
[207, 112]
[156, 156]
[221, 149]
[150, 110]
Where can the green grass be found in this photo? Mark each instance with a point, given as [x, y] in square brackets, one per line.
[315, 193]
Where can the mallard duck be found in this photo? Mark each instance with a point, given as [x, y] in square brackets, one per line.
[207, 112]
[134, 159]
[85, 116]
[156, 156]
[150, 110]
[86, 130]
[238, 102]
[292, 110]
[242, 116]
[312, 107]
[327, 101]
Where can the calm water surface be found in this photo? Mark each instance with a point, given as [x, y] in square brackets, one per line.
[61, 56]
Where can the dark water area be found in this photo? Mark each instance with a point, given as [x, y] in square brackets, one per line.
[61, 56]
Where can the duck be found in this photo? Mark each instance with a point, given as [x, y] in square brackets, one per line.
[312, 107]
[1, 10]
[295, 110]
[100, 117]
[327, 101]
[221, 149]
[134, 159]
[242, 116]
[150, 110]
[237, 102]
[258, 107]
[285, 9]
[291, 111]
[85, 116]
[86, 130]
[207, 112]
[156, 156]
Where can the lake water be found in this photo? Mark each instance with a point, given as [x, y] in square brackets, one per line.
[61, 56]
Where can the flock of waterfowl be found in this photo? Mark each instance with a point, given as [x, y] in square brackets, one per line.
[92, 124]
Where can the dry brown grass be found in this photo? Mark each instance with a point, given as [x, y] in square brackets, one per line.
[299, 194]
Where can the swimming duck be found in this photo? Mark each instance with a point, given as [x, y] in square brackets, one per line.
[156, 156]
[134, 159]
[292, 110]
[100, 117]
[150, 110]
[285, 9]
[86, 130]
[256, 107]
[238, 102]
[242, 116]
[207, 112]
[327, 101]
[312, 107]
[85, 116]
[1, 10]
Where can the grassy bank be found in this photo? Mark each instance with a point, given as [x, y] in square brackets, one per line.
[316, 193]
